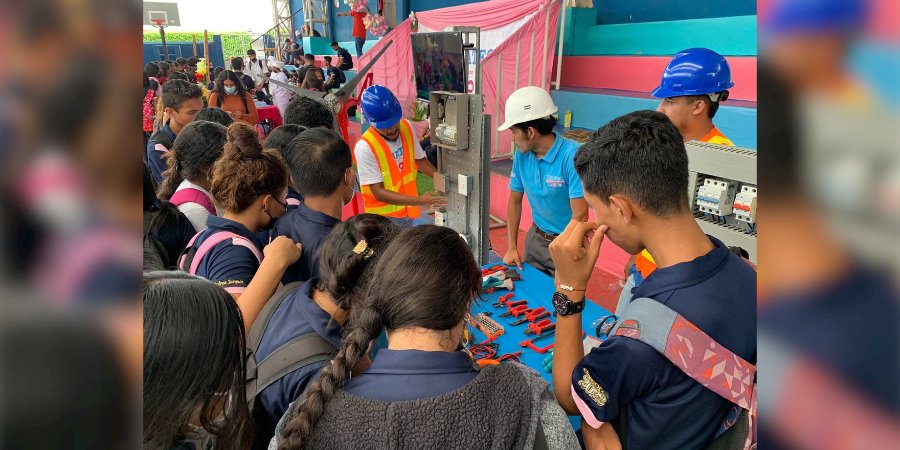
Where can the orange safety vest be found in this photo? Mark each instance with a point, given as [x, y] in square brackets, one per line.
[395, 180]
[644, 262]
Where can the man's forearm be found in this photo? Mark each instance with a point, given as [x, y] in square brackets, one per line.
[567, 352]
[426, 167]
[392, 198]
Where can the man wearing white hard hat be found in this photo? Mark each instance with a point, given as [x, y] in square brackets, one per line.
[543, 169]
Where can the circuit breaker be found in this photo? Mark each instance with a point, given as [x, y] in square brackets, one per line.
[745, 205]
[716, 197]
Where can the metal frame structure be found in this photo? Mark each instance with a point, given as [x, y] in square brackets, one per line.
[281, 10]
[316, 12]
[707, 160]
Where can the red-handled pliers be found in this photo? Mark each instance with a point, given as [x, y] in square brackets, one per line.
[515, 310]
[533, 315]
[501, 302]
[540, 327]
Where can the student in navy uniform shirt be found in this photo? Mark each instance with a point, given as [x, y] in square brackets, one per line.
[321, 306]
[182, 101]
[249, 184]
[345, 61]
[422, 299]
[321, 168]
[279, 139]
[636, 395]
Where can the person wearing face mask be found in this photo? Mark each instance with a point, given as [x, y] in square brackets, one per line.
[543, 170]
[324, 153]
[389, 158]
[257, 70]
[281, 96]
[231, 97]
[249, 184]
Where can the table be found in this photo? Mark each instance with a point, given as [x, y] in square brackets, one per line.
[271, 113]
[537, 288]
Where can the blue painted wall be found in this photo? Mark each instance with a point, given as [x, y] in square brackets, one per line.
[631, 11]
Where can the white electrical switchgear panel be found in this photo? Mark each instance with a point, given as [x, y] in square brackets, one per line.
[745, 205]
[716, 197]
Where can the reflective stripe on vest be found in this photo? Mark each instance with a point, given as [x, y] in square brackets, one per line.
[395, 180]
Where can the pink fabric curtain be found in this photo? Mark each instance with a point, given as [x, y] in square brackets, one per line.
[530, 49]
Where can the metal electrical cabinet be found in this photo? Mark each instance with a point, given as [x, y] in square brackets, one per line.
[722, 190]
[458, 127]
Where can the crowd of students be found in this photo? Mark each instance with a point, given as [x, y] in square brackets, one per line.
[270, 322]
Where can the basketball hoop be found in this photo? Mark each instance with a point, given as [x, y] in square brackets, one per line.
[158, 22]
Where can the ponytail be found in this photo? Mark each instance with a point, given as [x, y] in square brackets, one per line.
[196, 149]
[365, 326]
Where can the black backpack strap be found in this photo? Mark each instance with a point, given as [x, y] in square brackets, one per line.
[298, 352]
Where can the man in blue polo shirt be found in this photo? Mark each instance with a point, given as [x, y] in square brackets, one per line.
[182, 101]
[625, 390]
[324, 153]
[543, 170]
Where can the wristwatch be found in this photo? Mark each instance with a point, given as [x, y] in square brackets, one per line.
[564, 306]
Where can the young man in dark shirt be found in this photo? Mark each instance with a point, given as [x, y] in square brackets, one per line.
[345, 61]
[334, 76]
[625, 390]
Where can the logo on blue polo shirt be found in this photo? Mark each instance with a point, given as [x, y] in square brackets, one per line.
[555, 181]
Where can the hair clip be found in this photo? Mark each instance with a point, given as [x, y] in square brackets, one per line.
[362, 248]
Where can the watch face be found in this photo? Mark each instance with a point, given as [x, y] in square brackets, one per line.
[560, 302]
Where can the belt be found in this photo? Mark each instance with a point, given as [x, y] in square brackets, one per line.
[547, 236]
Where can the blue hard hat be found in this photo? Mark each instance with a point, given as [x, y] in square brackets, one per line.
[695, 71]
[813, 16]
[380, 107]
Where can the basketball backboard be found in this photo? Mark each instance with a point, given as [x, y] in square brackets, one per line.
[167, 12]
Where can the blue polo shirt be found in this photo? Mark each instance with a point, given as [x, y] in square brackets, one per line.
[308, 227]
[297, 315]
[549, 183]
[403, 375]
[661, 406]
[228, 265]
[156, 153]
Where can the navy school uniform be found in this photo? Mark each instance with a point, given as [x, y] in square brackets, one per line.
[297, 315]
[650, 401]
[294, 198]
[309, 228]
[156, 152]
[403, 375]
[226, 264]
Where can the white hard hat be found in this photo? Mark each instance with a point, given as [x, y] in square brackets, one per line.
[526, 104]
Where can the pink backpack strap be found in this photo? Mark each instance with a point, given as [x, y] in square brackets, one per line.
[192, 195]
[211, 241]
[693, 351]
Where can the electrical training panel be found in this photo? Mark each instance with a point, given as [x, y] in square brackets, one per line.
[723, 192]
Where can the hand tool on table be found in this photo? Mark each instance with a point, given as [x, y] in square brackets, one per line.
[516, 310]
[533, 315]
[540, 327]
[529, 344]
[501, 302]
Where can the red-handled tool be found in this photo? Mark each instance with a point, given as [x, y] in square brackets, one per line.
[537, 349]
[515, 310]
[533, 315]
[540, 327]
[501, 302]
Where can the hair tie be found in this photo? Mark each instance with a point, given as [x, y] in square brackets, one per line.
[362, 248]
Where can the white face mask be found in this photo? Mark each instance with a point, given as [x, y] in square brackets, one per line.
[230, 90]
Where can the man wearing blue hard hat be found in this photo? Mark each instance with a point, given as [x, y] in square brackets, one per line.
[388, 158]
[692, 86]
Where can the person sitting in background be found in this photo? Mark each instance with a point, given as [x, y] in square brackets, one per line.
[186, 181]
[313, 81]
[286, 48]
[422, 391]
[279, 139]
[233, 99]
[181, 101]
[194, 371]
[310, 31]
[321, 169]
[335, 76]
[344, 62]
[309, 113]
[320, 306]
[249, 185]
[296, 52]
[215, 114]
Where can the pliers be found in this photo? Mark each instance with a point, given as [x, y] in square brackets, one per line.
[533, 315]
[502, 301]
[540, 327]
[516, 310]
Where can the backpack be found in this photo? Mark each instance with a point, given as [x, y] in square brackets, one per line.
[299, 352]
[192, 195]
[701, 358]
[190, 258]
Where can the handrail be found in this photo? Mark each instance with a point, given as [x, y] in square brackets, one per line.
[276, 26]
